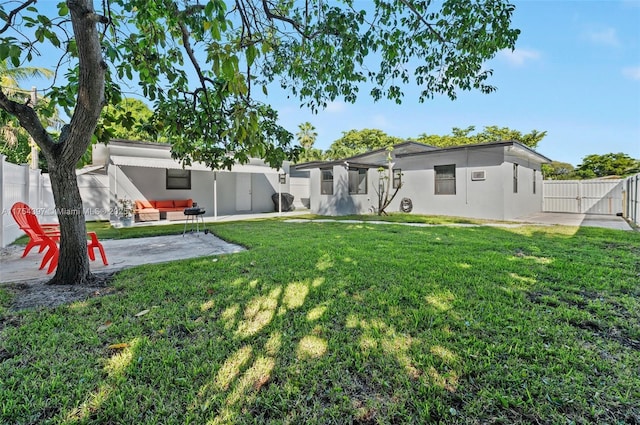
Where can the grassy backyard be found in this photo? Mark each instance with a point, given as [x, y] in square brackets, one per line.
[344, 323]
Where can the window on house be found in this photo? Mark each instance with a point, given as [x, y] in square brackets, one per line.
[445, 179]
[397, 178]
[178, 179]
[534, 182]
[515, 178]
[326, 183]
[357, 181]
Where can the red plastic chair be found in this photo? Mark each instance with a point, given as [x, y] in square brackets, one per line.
[48, 241]
[19, 211]
[48, 237]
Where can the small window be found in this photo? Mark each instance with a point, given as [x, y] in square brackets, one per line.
[397, 178]
[326, 185]
[357, 181]
[534, 182]
[445, 179]
[178, 179]
[515, 178]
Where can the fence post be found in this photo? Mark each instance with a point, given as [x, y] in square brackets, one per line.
[2, 209]
[27, 183]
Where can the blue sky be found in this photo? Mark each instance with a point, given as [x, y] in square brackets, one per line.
[575, 73]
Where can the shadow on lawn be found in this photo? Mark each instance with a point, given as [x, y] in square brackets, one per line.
[442, 328]
[318, 342]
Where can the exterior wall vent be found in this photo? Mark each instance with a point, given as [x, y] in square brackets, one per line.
[478, 175]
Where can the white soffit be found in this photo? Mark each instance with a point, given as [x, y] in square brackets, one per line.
[168, 163]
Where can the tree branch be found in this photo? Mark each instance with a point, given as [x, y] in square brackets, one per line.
[424, 21]
[14, 12]
[296, 25]
[28, 119]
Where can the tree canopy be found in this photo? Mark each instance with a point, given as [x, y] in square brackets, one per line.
[130, 119]
[354, 142]
[200, 62]
[611, 164]
[464, 136]
[557, 170]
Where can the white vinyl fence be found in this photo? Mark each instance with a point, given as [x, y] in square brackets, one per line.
[631, 199]
[18, 183]
[583, 196]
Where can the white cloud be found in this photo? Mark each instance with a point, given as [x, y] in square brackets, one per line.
[336, 106]
[632, 72]
[518, 57]
[605, 37]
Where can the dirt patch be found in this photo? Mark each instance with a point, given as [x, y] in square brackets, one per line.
[35, 294]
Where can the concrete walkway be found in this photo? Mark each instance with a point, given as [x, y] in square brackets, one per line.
[582, 220]
[544, 219]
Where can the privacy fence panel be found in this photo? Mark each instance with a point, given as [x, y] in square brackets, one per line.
[18, 183]
[631, 201]
[583, 196]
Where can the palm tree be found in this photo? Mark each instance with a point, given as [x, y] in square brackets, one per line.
[307, 135]
[10, 77]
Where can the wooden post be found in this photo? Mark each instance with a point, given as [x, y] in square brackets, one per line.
[32, 143]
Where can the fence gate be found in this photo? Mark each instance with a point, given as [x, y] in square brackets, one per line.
[583, 196]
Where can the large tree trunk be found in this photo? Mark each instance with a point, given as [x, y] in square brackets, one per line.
[63, 155]
[73, 263]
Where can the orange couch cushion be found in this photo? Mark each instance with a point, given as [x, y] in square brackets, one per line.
[183, 203]
[143, 203]
[164, 204]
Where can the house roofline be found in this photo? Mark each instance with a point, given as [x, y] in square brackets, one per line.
[474, 146]
[353, 159]
[327, 164]
[139, 144]
[393, 147]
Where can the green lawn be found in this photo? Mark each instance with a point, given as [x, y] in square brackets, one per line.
[345, 323]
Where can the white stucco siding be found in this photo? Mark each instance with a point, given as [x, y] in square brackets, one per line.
[300, 188]
[150, 183]
[483, 185]
[523, 202]
[473, 198]
[341, 202]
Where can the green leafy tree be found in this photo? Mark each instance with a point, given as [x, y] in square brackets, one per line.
[318, 51]
[464, 136]
[557, 170]
[611, 164]
[354, 142]
[131, 119]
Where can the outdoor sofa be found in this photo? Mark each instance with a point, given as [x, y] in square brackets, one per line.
[165, 209]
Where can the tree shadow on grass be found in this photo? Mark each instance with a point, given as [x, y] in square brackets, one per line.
[320, 331]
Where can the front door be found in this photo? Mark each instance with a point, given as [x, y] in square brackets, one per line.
[243, 192]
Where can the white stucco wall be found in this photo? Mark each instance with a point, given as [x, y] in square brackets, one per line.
[150, 183]
[491, 198]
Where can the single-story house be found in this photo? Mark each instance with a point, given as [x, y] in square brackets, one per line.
[124, 169]
[498, 180]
